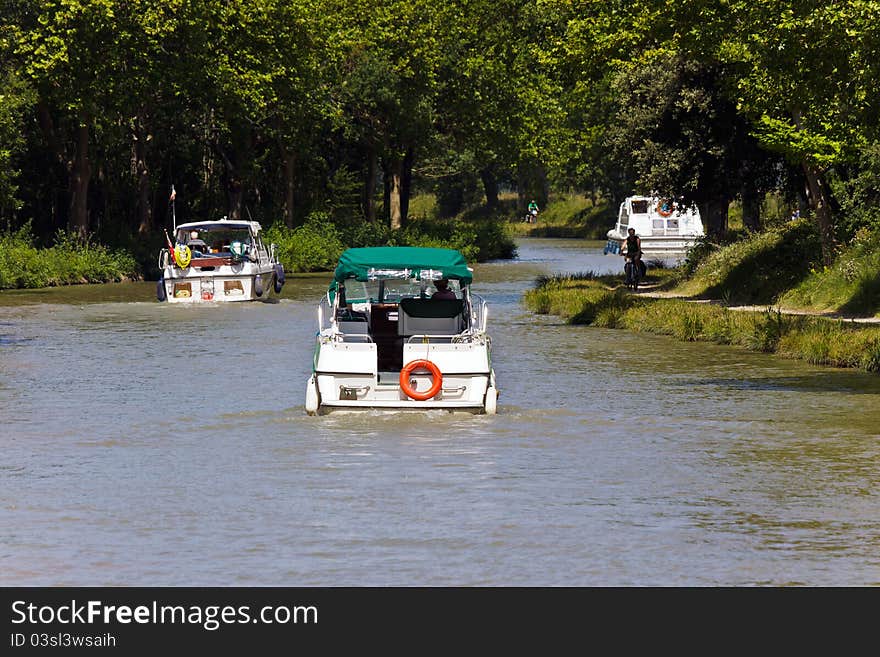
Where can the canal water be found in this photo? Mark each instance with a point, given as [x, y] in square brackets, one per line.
[148, 444]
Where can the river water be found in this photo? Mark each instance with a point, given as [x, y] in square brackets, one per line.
[153, 445]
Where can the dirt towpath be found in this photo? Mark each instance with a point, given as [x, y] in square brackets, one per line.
[651, 291]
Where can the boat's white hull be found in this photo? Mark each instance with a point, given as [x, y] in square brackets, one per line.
[346, 377]
[242, 282]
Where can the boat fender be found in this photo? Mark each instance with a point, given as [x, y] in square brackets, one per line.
[258, 285]
[279, 277]
[160, 290]
[313, 397]
[491, 405]
[424, 365]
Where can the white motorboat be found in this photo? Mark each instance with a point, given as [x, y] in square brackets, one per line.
[666, 229]
[221, 260]
[387, 340]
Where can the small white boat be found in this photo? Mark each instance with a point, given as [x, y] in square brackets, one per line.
[219, 260]
[387, 340]
[666, 229]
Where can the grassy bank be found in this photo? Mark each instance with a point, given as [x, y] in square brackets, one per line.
[850, 286]
[601, 301]
[569, 215]
[782, 267]
[67, 262]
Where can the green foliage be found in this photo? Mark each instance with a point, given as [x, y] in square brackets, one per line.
[317, 244]
[860, 195]
[293, 107]
[477, 240]
[69, 261]
[314, 246]
[15, 99]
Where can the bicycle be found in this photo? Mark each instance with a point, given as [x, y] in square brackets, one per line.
[634, 271]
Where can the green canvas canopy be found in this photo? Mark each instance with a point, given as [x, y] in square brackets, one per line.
[358, 263]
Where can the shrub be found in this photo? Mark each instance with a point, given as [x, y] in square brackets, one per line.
[314, 246]
[70, 260]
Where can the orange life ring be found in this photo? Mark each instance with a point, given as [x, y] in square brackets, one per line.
[663, 212]
[424, 365]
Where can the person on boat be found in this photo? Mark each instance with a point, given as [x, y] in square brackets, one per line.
[196, 244]
[632, 252]
[443, 291]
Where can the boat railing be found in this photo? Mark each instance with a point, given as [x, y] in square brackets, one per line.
[480, 310]
[325, 313]
[441, 337]
[163, 258]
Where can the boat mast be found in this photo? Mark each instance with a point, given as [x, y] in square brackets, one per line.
[173, 214]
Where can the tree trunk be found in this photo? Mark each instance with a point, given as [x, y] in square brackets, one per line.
[822, 211]
[545, 186]
[142, 173]
[289, 173]
[369, 190]
[233, 184]
[386, 192]
[819, 201]
[751, 208]
[47, 126]
[714, 215]
[234, 195]
[406, 184]
[80, 175]
[395, 183]
[490, 186]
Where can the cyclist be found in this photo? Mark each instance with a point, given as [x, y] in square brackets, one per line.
[532, 216]
[632, 252]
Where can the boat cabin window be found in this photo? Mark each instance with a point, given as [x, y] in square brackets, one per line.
[639, 207]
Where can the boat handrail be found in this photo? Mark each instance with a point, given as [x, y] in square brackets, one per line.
[163, 258]
[455, 337]
[481, 319]
[325, 302]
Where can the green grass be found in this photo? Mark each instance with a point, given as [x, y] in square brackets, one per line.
[755, 269]
[821, 341]
[569, 215]
[850, 286]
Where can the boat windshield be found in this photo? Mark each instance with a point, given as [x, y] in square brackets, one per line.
[218, 240]
[392, 290]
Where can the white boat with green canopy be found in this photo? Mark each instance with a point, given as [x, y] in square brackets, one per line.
[399, 328]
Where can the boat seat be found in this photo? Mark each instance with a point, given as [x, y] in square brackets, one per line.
[353, 324]
[430, 316]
